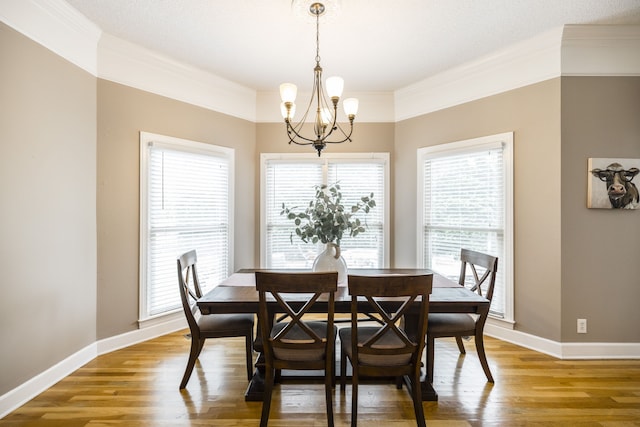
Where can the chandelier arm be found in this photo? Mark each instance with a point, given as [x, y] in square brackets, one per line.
[333, 126]
[303, 119]
[318, 94]
[324, 139]
[292, 130]
[324, 104]
[295, 130]
[346, 137]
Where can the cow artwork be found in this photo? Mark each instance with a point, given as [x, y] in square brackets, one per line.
[621, 192]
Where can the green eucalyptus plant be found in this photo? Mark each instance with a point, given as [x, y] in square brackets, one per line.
[326, 219]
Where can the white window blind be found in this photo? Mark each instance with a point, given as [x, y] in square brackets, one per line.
[293, 182]
[464, 202]
[188, 206]
[358, 179]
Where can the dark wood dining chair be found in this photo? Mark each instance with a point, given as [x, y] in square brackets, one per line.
[297, 342]
[211, 325]
[484, 268]
[386, 349]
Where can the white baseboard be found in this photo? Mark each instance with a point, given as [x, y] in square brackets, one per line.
[571, 350]
[127, 339]
[532, 342]
[23, 393]
[599, 350]
[20, 395]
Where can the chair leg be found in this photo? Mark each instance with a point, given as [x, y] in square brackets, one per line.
[483, 357]
[333, 367]
[196, 348]
[328, 390]
[417, 398]
[460, 345]
[343, 368]
[266, 398]
[430, 357]
[249, 350]
[354, 397]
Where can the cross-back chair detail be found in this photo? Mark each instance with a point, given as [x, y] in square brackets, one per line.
[461, 325]
[202, 327]
[388, 324]
[393, 348]
[293, 342]
[470, 260]
[295, 321]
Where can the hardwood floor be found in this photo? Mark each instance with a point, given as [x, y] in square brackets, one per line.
[138, 386]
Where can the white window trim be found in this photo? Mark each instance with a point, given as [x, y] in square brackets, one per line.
[265, 157]
[146, 139]
[458, 147]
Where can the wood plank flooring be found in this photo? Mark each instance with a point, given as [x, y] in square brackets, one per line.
[138, 386]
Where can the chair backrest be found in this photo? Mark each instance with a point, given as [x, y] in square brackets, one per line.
[482, 284]
[189, 287]
[390, 298]
[295, 295]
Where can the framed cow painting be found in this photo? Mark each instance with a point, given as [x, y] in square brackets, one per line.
[612, 183]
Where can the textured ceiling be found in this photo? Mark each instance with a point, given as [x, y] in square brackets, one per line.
[375, 45]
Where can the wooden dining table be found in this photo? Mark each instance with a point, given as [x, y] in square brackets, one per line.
[237, 294]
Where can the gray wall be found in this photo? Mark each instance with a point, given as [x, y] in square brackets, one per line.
[600, 247]
[570, 262]
[533, 114]
[48, 209]
[122, 113]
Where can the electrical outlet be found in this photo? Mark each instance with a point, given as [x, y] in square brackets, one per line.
[582, 326]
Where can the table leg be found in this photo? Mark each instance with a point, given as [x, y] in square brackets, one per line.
[428, 392]
[426, 388]
[255, 390]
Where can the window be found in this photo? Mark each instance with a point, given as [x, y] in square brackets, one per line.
[465, 201]
[291, 179]
[186, 192]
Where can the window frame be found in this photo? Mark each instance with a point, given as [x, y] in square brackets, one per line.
[177, 144]
[467, 146]
[382, 157]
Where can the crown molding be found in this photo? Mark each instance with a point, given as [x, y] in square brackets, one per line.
[601, 50]
[375, 107]
[532, 61]
[129, 64]
[57, 26]
[572, 50]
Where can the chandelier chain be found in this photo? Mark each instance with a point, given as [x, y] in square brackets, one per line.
[317, 38]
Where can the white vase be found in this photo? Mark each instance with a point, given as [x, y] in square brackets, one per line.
[331, 260]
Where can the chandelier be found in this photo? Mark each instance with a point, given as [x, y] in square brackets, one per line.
[325, 119]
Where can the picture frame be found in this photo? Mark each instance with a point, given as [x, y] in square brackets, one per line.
[612, 183]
